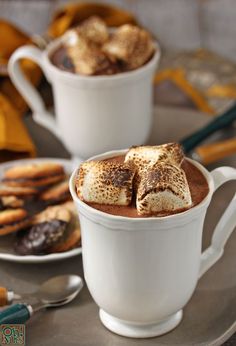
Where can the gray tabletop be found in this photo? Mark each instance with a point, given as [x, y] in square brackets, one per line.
[78, 323]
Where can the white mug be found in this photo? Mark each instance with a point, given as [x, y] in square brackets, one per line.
[141, 272]
[93, 113]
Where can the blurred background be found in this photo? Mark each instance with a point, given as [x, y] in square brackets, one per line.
[179, 24]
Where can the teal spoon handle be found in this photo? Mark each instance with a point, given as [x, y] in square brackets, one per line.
[17, 313]
[222, 121]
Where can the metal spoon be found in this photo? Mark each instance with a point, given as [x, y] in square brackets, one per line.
[7, 297]
[54, 292]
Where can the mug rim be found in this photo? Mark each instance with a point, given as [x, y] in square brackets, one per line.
[115, 77]
[179, 218]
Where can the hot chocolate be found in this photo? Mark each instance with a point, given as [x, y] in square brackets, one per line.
[91, 49]
[175, 185]
[197, 184]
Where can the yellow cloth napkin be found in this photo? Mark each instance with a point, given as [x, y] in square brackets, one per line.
[73, 14]
[15, 141]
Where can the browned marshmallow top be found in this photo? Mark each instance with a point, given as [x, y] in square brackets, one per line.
[105, 182]
[93, 50]
[161, 185]
[130, 44]
[146, 156]
[94, 30]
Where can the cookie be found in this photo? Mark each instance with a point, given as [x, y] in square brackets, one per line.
[71, 242]
[72, 237]
[10, 202]
[57, 212]
[34, 175]
[48, 228]
[12, 220]
[56, 194]
[23, 192]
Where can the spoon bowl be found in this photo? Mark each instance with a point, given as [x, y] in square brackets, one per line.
[59, 289]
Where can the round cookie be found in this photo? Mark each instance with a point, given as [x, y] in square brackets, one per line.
[34, 175]
[73, 240]
[12, 220]
[6, 190]
[57, 212]
[72, 237]
[10, 202]
[56, 194]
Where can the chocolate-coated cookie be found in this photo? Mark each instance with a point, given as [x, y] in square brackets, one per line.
[48, 229]
[40, 237]
[71, 238]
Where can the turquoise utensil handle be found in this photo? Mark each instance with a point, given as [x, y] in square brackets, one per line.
[222, 121]
[17, 313]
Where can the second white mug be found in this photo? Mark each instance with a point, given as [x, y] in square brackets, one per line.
[93, 113]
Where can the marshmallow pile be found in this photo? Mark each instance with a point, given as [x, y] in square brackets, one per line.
[94, 50]
[152, 175]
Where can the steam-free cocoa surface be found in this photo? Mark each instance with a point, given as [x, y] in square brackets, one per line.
[197, 184]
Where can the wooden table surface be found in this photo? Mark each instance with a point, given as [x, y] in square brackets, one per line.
[78, 323]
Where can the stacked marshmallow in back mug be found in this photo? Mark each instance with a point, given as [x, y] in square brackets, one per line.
[94, 50]
[152, 175]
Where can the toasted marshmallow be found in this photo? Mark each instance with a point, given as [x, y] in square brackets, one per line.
[130, 44]
[105, 182]
[94, 30]
[163, 189]
[71, 38]
[88, 60]
[150, 155]
[82, 47]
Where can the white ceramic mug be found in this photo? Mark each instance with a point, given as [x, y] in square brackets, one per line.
[141, 272]
[93, 113]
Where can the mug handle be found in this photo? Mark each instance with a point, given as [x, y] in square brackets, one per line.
[40, 114]
[226, 224]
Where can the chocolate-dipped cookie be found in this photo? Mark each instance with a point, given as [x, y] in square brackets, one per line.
[48, 229]
[72, 237]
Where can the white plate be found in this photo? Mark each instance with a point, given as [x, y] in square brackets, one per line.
[6, 248]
